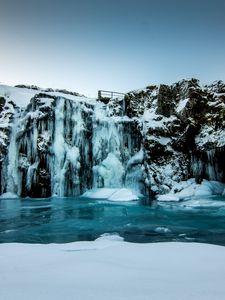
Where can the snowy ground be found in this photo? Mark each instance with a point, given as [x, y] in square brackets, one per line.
[112, 269]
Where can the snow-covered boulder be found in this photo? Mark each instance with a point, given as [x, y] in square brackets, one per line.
[190, 189]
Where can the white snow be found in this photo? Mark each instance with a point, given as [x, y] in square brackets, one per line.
[45, 102]
[182, 104]
[22, 96]
[72, 97]
[190, 188]
[111, 269]
[154, 120]
[121, 194]
[209, 135]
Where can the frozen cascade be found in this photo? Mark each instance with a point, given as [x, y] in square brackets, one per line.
[108, 170]
[58, 178]
[208, 164]
[114, 144]
[71, 148]
[63, 147]
[134, 172]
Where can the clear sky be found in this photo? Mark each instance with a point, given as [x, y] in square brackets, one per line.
[120, 45]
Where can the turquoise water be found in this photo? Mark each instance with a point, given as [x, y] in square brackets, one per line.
[61, 220]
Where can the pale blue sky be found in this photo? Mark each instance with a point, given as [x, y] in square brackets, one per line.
[115, 45]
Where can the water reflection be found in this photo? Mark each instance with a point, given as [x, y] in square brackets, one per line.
[60, 220]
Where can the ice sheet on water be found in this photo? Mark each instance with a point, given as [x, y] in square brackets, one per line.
[202, 202]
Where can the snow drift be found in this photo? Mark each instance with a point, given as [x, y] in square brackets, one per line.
[112, 269]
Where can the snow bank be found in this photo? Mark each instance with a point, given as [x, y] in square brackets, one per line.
[112, 269]
[22, 96]
[111, 194]
[190, 188]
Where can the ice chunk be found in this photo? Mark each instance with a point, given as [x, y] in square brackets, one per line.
[8, 195]
[162, 229]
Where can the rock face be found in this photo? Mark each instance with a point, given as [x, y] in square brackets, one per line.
[183, 130]
[55, 142]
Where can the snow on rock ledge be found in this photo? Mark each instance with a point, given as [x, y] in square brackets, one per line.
[111, 194]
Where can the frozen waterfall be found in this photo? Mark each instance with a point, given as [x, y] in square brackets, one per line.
[62, 147]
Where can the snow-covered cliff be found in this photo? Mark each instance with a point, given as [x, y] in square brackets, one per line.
[55, 142]
[183, 130]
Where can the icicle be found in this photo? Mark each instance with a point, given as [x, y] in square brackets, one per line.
[59, 150]
[12, 170]
[31, 172]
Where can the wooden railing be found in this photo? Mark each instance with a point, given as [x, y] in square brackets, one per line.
[104, 95]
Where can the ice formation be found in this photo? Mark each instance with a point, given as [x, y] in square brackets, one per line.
[56, 142]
